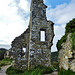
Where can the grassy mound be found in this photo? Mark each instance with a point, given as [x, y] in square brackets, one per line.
[39, 70]
[5, 61]
[66, 72]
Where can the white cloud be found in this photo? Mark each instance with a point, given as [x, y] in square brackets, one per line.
[61, 15]
[13, 22]
[14, 19]
[24, 4]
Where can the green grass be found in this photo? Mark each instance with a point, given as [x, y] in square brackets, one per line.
[66, 72]
[5, 61]
[39, 70]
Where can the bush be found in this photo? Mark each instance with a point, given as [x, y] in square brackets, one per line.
[38, 70]
[66, 72]
[70, 27]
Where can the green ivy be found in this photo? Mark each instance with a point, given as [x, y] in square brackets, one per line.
[63, 39]
[70, 27]
[73, 40]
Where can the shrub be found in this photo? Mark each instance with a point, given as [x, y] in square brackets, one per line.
[70, 27]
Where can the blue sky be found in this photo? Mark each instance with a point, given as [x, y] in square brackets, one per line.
[14, 18]
[54, 3]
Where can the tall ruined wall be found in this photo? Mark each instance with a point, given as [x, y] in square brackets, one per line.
[40, 51]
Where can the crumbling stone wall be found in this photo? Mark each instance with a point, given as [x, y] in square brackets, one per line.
[37, 52]
[67, 55]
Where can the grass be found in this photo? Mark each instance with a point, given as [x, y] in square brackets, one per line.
[5, 61]
[39, 70]
[66, 72]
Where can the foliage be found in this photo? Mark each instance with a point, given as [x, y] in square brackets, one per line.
[66, 72]
[5, 61]
[73, 40]
[70, 27]
[63, 39]
[38, 70]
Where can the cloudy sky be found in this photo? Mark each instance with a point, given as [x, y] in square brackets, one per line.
[15, 15]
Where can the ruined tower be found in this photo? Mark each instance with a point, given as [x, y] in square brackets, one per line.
[38, 46]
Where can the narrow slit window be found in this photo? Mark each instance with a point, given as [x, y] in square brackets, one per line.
[42, 35]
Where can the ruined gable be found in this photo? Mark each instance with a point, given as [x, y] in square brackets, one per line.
[37, 52]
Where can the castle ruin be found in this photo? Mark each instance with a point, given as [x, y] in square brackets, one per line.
[33, 47]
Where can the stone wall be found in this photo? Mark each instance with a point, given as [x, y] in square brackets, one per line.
[67, 55]
[37, 52]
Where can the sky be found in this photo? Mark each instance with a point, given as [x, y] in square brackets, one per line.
[15, 15]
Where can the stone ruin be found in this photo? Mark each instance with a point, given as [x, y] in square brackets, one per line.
[33, 47]
[66, 55]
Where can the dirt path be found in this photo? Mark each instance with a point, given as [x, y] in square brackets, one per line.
[54, 73]
[3, 70]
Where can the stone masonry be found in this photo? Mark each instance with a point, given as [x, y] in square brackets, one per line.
[36, 52]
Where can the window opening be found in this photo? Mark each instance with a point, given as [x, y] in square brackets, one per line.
[24, 49]
[42, 35]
